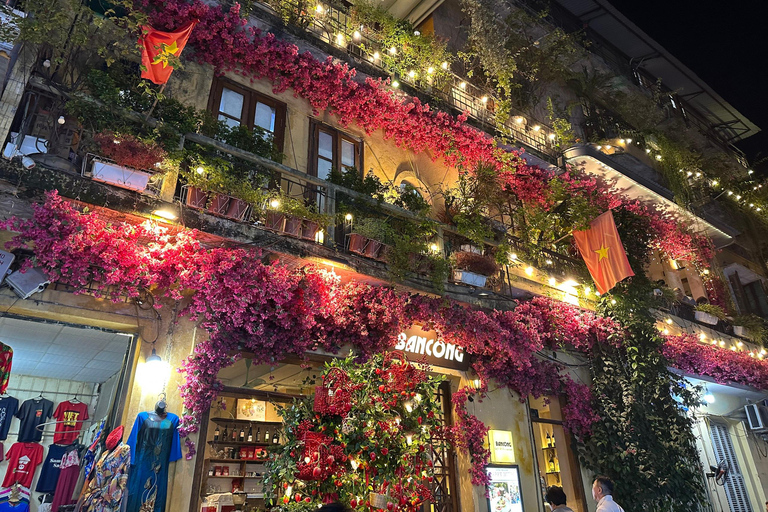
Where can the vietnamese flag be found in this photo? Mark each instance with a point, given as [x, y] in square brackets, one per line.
[601, 248]
[156, 46]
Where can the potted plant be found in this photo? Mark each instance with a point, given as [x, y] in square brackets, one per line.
[472, 268]
[369, 237]
[125, 160]
[294, 217]
[750, 326]
[709, 314]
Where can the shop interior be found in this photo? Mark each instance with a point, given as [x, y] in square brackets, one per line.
[59, 368]
[556, 461]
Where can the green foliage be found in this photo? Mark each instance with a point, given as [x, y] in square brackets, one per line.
[300, 208]
[643, 439]
[712, 310]
[757, 331]
[560, 124]
[375, 229]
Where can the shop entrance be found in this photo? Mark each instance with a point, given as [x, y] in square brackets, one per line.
[65, 380]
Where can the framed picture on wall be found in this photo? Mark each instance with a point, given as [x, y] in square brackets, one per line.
[504, 490]
[252, 410]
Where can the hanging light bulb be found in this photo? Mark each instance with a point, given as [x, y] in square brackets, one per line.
[275, 203]
[444, 65]
[708, 396]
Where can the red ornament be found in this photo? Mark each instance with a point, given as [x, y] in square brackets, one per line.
[298, 497]
[329, 460]
[390, 505]
[384, 451]
[316, 472]
[382, 388]
[307, 499]
[373, 455]
[286, 499]
[353, 503]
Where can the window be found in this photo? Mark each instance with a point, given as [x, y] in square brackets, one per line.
[557, 464]
[236, 105]
[332, 149]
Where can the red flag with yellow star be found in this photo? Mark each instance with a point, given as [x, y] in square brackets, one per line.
[601, 248]
[157, 46]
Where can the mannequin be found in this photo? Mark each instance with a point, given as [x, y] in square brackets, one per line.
[160, 407]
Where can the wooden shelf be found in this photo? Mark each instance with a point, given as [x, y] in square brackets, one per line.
[242, 443]
[549, 447]
[225, 476]
[553, 472]
[225, 421]
[226, 461]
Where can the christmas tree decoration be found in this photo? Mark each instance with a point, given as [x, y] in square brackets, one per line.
[366, 438]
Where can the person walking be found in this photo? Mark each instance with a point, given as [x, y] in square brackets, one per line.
[556, 498]
[602, 492]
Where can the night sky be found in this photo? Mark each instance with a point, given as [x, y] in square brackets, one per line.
[725, 44]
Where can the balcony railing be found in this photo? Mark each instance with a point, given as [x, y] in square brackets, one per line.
[334, 26]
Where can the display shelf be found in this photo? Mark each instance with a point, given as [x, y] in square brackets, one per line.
[549, 447]
[226, 476]
[242, 443]
[226, 461]
[225, 421]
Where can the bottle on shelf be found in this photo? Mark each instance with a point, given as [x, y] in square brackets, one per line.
[275, 438]
[553, 439]
[551, 463]
[224, 434]
[258, 434]
[234, 433]
[250, 433]
[266, 435]
[242, 434]
[216, 434]
[549, 440]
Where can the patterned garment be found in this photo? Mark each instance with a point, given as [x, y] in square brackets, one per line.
[6, 358]
[108, 486]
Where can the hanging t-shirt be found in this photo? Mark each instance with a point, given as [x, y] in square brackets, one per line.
[14, 499]
[8, 407]
[23, 458]
[6, 358]
[50, 473]
[32, 413]
[70, 417]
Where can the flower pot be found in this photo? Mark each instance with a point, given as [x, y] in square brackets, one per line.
[196, 198]
[123, 177]
[357, 243]
[219, 204]
[705, 318]
[740, 330]
[471, 248]
[309, 229]
[470, 278]
[275, 221]
[292, 226]
[237, 209]
[372, 249]
[378, 500]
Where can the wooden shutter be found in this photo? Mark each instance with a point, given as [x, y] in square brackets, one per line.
[735, 489]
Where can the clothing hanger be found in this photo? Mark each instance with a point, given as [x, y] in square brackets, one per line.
[39, 397]
[74, 399]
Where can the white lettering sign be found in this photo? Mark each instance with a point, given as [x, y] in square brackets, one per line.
[430, 347]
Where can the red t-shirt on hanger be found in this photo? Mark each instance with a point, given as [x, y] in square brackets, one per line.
[23, 458]
[69, 417]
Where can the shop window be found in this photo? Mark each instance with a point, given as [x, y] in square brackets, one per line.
[556, 461]
[331, 149]
[236, 105]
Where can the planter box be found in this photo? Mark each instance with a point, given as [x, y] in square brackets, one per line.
[219, 204]
[292, 226]
[275, 221]
[470, 278]
[357, 243]
[309, 229]
[237, 209]
[373, 249]
[120, 176]
[197, 198]
[740, 330]
[706, 318]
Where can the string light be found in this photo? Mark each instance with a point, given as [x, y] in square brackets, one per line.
[444, 65]
[552, 281]
[463, 85]
[392, 51]
[529, 271]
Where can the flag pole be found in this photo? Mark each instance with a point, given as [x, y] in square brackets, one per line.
[157, 98]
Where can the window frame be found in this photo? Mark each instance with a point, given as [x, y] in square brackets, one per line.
[250, 99]
[315, 128]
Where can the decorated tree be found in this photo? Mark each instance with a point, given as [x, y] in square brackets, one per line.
[365, 438]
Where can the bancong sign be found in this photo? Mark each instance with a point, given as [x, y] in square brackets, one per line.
[419, 344]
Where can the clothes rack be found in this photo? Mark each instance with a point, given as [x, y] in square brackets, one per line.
[69, 393]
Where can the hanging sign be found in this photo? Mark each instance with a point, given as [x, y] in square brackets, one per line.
[502, 448]
[419, 344]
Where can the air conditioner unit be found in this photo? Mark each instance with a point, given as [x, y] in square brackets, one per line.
[30, 282]
[6, 259]
[757, 417]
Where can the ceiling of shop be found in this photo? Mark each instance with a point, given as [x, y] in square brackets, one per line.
[60, 351]
[287, 378]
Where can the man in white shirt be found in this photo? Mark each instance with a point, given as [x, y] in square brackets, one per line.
[602, 492]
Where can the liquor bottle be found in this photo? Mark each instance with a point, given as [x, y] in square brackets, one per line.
[553, 439]
[551, 463]
[266, 435]
[216, 434]
[234, 433]
[549, 440]
[250, 434]
[242, 434]
[275, 438]
[224, 434]
[258, 434]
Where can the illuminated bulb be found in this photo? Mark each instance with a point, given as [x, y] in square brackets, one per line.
[392, 50]
[690, 174]
[320, 237]
[730, 193]
[666, 331]
[658, 157]
[397, 419]
[356, 35]
[758, 209]
[536, 128]
[116, 141]
[698, 175]
[418, 397]
[395, 84]
[430, 70]
[607, 146]
[408, 406]
[750, 171]
[647, 150]
[434, 248]
[306, 460]
[621, 141]
[411, 74]
[709, 398]
[513, 257]
[348, 217]
[340, 39]
[376, 56]
[733, 347]
[714, 183]
[463, 85]
[319, 9]
[484, 99]
[289, 489]
[597, 293]
[629, 141]
[739, 344]
[552, 136]
[275, 203]
[552, 281]
[613, 302]
[702, 337]
[529, 271]
[200, 170]
[519, 120]
[354, 464]
[548, 262]
[762, 352]
[738, 197]
[669, 321]
[587, 290]
[721, 343]
[599, 147]
[751, 205]
[714, 342]
[409, 439]
[61, 120]
[444, 65]
[416, 33]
